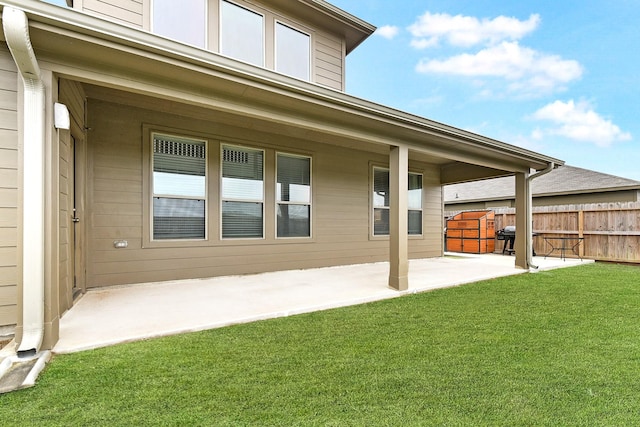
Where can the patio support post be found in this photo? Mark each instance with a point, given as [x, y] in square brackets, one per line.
[523, 241]
[398, 221]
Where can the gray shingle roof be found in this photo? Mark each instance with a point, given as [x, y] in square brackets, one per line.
[563, 180]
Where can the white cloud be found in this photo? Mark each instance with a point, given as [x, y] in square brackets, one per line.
[529, 72]
[578, 121]
[467, 31]
[387, 31]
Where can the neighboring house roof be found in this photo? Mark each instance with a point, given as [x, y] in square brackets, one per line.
[560, 181]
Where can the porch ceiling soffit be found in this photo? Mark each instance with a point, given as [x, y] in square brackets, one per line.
[458, 172]
[147, 64]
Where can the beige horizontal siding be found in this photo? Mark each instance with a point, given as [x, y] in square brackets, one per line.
[9, 138]
[65, 280]
[8, 188]
[8, 75]
[341, 230]
[8, 99]
[8, 119]
[126, 11]
[8, 295]
[8, 257]
[8, 80]
[6, 61]
[72, 95]
[157, 270]
[8, 158]
[329, 61]
[8, 178]
[8, 198]
[8, 315]
[8, 217]
[8, 237]
[8, 276]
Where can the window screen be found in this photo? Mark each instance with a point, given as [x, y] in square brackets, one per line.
[241, 33]
[183, 20]
[293, 192]
[242, 192]
[381, 203]
[179, 188]
[293, 49]
[415, 203]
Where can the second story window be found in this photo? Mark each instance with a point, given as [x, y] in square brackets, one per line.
[241, 33]
[293, 52]
[183, 20]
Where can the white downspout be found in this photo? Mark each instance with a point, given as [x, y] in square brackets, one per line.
[16, 31]
[551, 166]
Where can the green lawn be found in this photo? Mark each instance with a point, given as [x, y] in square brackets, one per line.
[558, 348]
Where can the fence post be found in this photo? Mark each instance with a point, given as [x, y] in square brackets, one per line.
[581, 232]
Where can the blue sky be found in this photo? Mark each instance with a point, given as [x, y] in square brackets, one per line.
[557, 77]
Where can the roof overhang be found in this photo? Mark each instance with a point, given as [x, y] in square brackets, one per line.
[92, 50]
[328, 16]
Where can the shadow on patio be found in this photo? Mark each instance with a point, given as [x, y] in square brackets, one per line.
[113, 315]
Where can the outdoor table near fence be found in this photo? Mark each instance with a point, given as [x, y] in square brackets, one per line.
[563, 244]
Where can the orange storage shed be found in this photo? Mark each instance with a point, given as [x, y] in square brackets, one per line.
[471, 232]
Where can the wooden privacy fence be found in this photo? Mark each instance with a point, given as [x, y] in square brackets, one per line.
[611, 231]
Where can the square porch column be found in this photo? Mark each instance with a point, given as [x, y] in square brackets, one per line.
[523, 242]
[398, 218]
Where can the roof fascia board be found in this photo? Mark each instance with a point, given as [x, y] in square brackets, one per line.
[360, 26]
[588, 191]
[340, 14]
[539, 195]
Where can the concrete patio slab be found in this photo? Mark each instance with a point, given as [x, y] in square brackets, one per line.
[114, 315]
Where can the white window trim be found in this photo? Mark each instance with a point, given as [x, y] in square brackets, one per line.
[373, 206]
[310, 204]
[222, 199]
[153, 194]
[206, 26]
[275, 47]
[421, 209]
[264, 32]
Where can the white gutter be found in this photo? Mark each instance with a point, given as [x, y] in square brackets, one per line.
[529, 245]
[16, 31]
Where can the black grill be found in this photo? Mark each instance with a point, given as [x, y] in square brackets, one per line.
[508, 234]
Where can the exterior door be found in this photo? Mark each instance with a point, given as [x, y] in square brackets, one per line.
[77, 175]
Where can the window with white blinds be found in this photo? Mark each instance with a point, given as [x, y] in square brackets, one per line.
[381, 202]
[293, 194]
[242, 192]
[179, 188]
